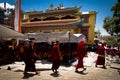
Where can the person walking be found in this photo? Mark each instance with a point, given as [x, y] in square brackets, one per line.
[30, 59]
[81, 53]
[56, 57]
[101, 56]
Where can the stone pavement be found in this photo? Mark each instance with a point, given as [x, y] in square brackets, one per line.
[65, 72]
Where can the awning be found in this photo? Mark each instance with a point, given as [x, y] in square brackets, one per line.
[80, 22]
[6, 32]
[52, 37]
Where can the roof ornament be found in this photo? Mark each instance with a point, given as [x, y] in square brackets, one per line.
[75, 6]
[51, 6]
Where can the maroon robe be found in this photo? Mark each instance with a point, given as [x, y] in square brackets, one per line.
[81, 52]
[56, 57]
[101, 56]
[29, 60]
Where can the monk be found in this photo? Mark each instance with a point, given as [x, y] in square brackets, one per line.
[101, 56]
[30, 59]
[81, 52]
[56, 57]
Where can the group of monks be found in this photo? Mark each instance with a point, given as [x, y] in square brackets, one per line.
[28, 55]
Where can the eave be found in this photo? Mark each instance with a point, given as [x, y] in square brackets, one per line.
[49, 23]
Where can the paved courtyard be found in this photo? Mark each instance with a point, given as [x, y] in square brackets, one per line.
[65, 72]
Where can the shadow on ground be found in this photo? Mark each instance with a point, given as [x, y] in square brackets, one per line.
[81, 72]
[55, 74]
[28, 75]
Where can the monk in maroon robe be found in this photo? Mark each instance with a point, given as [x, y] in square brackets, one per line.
[101, 56]
[56, 57]
[81, 52]
[30, 59]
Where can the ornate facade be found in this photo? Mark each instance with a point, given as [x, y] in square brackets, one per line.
[60, 20]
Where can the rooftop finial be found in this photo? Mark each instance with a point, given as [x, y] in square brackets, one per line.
[5, 5]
